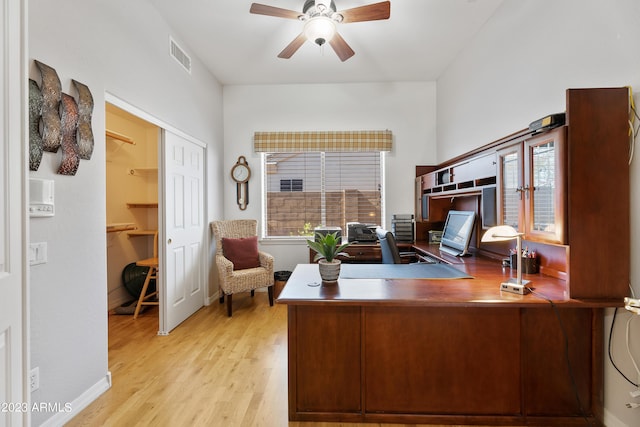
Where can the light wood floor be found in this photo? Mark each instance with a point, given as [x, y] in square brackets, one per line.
[210, 371]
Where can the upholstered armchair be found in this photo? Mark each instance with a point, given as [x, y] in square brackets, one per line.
[241, 266]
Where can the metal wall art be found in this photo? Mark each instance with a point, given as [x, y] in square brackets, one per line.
[57, 120]
[69, 120]
[35, 111]
[85, 108]
[51, 94]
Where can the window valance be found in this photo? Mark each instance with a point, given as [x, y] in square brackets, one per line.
[353, 141]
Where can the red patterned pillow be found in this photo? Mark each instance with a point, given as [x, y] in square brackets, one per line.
[243, 252]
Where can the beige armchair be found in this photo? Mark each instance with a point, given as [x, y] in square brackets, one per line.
[237, 240]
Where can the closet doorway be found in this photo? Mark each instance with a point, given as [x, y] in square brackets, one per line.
[154, 183]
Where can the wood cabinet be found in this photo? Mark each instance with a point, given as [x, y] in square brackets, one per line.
[415, 350]
[465, 177]
[531, 186]
[598, 192]
[566, 188]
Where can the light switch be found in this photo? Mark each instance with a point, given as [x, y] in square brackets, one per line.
[37, 253]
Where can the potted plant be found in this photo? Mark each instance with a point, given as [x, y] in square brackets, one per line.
[327, 248]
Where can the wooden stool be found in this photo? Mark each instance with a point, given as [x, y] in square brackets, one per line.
[153, 265]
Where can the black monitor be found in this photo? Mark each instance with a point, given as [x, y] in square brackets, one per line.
[457, 232]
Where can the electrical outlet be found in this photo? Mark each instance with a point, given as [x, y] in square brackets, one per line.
[632, 304]
[34, 379]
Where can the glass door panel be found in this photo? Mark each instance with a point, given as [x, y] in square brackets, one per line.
[543, 188]
[510, 184]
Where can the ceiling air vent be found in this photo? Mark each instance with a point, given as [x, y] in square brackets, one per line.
[179, 55]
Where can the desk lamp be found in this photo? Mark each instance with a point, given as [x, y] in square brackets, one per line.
[503, 233]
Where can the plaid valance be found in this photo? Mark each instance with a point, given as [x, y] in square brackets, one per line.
[365, 140]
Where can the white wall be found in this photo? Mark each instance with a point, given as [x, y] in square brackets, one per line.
[407, 109]
[515, 71]
[120, 47]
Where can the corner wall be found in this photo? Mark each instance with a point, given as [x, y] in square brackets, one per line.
[515, 71]
[120, 47]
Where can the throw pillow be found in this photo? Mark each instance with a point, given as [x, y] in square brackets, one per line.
[242, 252]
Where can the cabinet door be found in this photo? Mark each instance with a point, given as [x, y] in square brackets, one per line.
[510, 184]
[545, 198]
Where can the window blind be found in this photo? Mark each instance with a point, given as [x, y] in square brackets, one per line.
[323, 141]
[331, 189]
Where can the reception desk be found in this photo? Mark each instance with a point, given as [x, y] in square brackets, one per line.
[442, 351]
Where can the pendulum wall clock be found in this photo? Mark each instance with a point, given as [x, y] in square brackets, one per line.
[241, 173]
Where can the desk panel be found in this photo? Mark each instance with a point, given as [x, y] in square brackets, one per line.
[442, 361]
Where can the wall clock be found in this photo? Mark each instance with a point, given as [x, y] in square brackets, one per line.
[241, 173]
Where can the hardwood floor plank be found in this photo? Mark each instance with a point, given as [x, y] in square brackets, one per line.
[210, 371]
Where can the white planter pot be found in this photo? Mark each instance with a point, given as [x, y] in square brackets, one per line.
[329, 271]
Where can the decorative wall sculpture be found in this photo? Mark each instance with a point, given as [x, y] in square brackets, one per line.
[69, 119]
[51, 95]
[35, 111]
[65, 122]
[85, 108]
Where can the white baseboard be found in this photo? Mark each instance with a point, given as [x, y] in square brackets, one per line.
[84, 400]
[611, 420]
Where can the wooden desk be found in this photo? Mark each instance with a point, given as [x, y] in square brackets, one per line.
[364, 253]
[442, 351]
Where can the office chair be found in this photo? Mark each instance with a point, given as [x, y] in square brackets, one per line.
[390, 252]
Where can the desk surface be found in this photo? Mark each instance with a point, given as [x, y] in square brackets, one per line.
[304, 287]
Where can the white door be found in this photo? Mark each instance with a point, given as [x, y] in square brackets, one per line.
[182, 272]
[12, 217]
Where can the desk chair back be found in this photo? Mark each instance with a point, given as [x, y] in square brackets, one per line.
[388, 246]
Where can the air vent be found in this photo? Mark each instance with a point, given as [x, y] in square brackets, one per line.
[179, 55]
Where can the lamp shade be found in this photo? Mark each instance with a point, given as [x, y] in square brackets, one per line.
[500, 233]
[319, 29]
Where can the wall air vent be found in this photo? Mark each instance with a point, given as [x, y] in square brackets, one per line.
[179, 55]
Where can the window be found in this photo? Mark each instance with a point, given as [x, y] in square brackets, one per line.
[339, 187]
[290, 185]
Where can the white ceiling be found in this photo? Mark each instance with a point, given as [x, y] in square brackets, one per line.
[416, 43]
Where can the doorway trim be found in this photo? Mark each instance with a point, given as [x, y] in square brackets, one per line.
[131, 109]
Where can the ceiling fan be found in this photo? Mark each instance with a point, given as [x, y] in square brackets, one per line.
[320, 18]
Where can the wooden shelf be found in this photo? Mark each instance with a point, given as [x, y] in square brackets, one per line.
[113, 228]
[138, 233]
[142, 205]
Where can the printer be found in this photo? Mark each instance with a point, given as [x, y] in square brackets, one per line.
[358, 232]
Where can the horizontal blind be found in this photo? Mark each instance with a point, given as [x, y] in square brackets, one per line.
[305, 190]
[510, 193]
[323, 141]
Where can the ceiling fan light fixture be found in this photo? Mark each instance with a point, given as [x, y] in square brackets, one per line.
[319, 29]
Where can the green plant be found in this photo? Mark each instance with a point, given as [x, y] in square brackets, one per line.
[326, 246]
[307, 230]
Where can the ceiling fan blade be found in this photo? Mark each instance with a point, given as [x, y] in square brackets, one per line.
[292, 47]
[342, 49]
[263, 9]
[371, 12]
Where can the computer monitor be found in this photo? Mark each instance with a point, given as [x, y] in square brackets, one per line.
[457, 232]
